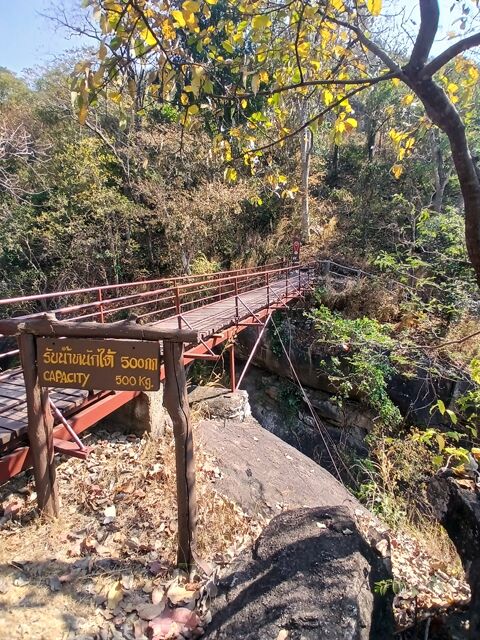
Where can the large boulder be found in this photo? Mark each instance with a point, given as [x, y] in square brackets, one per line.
[311, 576]
[265, 475]
[456, 504]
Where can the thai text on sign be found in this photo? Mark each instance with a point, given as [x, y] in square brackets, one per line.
[73, 363]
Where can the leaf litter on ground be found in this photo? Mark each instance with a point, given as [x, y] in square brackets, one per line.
[105, 569]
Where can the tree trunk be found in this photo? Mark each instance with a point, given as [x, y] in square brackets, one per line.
[443, 114]
[305, 153]
[371, 134]
[441, 175]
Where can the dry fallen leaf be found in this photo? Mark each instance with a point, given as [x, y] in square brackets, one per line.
[151, 611]
[114, 595]
[128, 581]
[282, 634]
[110, 514]
[158, 595]
[178, 594]
[173, 621]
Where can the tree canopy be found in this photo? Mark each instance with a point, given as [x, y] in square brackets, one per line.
[241, 62]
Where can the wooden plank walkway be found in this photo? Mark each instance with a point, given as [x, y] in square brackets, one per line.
[216, 316]
[207, 320]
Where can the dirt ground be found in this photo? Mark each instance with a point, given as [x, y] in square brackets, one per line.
[105, 568]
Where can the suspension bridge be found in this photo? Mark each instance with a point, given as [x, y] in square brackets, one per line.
[211, 308]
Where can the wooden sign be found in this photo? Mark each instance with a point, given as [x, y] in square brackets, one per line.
[74, 363]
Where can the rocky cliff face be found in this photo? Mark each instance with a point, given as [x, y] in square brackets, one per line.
[456, 503]
[413, 394]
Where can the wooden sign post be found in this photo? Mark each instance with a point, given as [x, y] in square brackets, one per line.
[40, 430]
[121, 356]
[176, 403]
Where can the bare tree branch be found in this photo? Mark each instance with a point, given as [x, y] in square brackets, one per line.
[308, 83]
[444, 58]
[370, 45]
[429, 17]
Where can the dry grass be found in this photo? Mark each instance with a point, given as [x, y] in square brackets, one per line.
[363, 297]
[469, 348]
[54, 576]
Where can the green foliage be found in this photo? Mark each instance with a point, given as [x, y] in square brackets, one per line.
[290, 400]
[278, 334]
[382, 587]
[358, 359]
[201, 264]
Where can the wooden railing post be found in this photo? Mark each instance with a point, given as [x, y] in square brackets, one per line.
[286, 282]
[176, 402]
[40, 429]
[267, 282]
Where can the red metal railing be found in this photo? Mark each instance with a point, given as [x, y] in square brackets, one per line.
[151, 300]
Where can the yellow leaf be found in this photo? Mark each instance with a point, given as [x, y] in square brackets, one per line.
[351, 123]
[303, 49]
[115, 96]
[244, 103]
[191, 6]
[261, 56]
[193, 109]
[338, 5]
[327, 97]
[227, 45]
[211, 2]
[452, 87]
[261, 22]
[440, 441]
[473, 73]
[263, 75]
[168, 31]
[230, 174]
[178, 17]
[374, 6]
[184, 99]
[148, 37]
[397, 170]
[255, 83]
[408, 99]
[395, 82]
